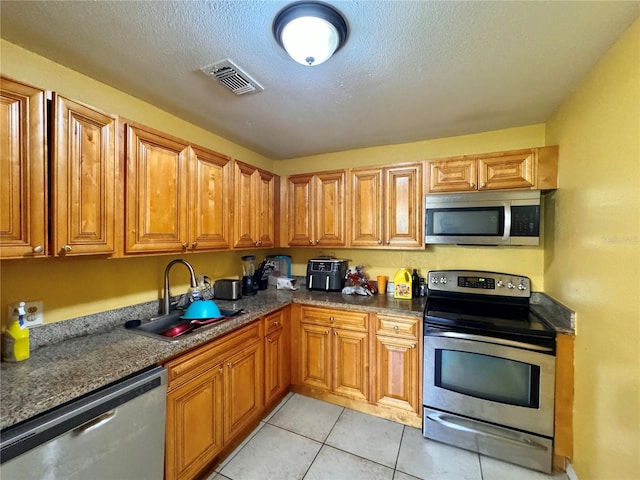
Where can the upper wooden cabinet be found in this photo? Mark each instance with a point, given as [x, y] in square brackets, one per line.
[316, 214]
[23, 171]
[386, 206]
[84, 176]
[177, 196]
[255, 208]
[534, 168]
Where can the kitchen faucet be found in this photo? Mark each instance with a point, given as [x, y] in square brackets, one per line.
[166, 299]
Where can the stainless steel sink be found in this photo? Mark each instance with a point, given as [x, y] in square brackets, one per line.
[154, 327]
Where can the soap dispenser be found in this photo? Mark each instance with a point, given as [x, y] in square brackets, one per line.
[15, 340]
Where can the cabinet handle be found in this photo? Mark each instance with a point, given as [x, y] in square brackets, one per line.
[194, 244]
[67, 248]
[472, 185]
[37, 249]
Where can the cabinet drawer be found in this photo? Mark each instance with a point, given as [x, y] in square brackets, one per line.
[274, 321]
[199, 360]
[395, 326]
[334, 318]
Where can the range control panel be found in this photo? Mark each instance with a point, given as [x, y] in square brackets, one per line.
[479, 282]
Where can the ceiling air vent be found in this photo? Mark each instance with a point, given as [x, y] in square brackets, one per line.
[232, 77]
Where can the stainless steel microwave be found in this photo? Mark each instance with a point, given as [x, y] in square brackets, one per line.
[483, 218]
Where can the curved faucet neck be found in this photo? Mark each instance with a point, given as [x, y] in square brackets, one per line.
[193, 280]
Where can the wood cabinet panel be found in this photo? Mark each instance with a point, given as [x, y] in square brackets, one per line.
[84, 179]
[194, 424]
[277, 355]
[315, 356]
[23, 171]
[386, 204]
[351, 364]
[533, 168]
[156, 192]
[398, 373]
[345, 319]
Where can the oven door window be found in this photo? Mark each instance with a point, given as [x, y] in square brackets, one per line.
[480, 221]
[491, 378]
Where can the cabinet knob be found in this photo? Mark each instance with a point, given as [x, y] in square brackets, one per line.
[229, 364]
[221, 369]
[395, 327]
[331, 319]
[258, 243]
[482, 185]
[326, 332]
[185, 246]
[472, 185]
[67, 248]
[37, 249]
[413, 345]
[379, 242]
[388, 242]
[335, 333]
[194, 244]
[270, 340]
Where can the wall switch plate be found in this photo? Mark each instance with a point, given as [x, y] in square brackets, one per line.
[33, 312]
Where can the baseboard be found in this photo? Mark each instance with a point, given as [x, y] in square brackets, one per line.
[571, 473]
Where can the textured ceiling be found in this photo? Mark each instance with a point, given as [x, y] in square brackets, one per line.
[410, 70]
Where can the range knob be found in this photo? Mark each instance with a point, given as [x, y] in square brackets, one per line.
[500, 284]
[510, 285]
[522, 286]
[434, 280]
[443, 279]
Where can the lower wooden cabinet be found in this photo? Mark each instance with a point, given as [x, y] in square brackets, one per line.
[398, 365]
[277, 358]
[214, 392]
[334, 351]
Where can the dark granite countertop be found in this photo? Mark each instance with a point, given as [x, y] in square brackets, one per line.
[74, 357]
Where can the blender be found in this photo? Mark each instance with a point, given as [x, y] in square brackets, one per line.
[248, 270]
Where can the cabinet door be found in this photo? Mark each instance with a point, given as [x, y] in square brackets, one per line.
[404, 213]
[507, 171]
[244, 203]
[453, 175]
[243, 389]
[301, 210]
[265, 208]
[277, 371]
[194, 424]
[315, 356]
[351, 364]
[210, 187]
[84, 179]
[23, 171]
[329, 211]
[366, 208]
[156, 192]
[397, 373]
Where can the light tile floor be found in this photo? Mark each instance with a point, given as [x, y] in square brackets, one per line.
[308, 439]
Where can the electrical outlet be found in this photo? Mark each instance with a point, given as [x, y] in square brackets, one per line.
[33, 312]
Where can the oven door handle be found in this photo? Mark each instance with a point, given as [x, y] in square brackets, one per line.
[505, 436]
[480, 338]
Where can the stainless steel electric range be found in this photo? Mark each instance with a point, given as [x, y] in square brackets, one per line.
[489, 367]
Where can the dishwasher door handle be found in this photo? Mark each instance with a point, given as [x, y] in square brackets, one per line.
[94, 424]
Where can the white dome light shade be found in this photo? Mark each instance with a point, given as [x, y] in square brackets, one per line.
[310, 32]
[309, 40]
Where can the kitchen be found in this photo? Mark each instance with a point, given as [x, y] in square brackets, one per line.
[592, 124]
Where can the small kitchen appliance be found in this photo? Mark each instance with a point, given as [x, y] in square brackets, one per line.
[281, 268]
[326, 273]
[489, 367]
[227, 289]
[248, 271]
[483, 218]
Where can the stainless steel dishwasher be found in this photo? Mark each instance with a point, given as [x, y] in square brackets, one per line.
[116, 432]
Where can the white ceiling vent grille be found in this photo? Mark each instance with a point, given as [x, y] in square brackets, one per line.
[232, 77]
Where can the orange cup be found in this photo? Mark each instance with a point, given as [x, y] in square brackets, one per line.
[382, 283]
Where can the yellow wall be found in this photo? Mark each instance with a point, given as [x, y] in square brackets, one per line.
[593, 259]
[71, 287]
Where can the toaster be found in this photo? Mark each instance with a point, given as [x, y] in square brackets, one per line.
[326, 274]
[227, 289]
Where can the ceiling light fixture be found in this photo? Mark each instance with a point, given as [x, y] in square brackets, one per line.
[310, 32]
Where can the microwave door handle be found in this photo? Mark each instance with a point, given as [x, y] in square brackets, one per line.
[507, 222]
